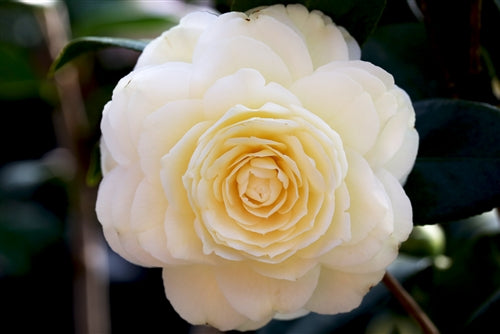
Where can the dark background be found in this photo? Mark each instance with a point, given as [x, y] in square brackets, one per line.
[39, 267]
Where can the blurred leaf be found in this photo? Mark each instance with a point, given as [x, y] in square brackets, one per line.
[464, 296]
[490, 48]
[456, 174]
[18, 78]
[484, 315]
[425, 240]
[25, 228]
[94, 173]
[390, 322]
[122, 24]
[359, 17]
[83, 45]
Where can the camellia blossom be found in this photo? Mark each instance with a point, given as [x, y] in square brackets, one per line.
[259, 162]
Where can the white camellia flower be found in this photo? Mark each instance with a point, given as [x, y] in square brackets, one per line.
[259, 162]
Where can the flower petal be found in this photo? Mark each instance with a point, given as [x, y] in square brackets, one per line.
[257, 297]
[370, 206]
[162, 130]
[341, 292]
[137, 95]
[185, 285]
[178, 43]
[326, 42]
[401, 163]
[284, 41]
[218, 60]
[245, 87]
[401, 206]
[182, 240]
[349, 111]
[114, 201]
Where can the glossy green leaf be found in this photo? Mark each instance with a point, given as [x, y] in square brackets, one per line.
[359, 17]
[83, 45]
[394, 46]
[457, 172]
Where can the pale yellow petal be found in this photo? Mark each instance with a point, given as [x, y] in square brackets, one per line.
[178, 43]
[257, 297]
[195, 294]
[341, 292]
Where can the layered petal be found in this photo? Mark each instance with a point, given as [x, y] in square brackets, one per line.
[257, 296]
[135, 97]
[114, 200]
[178, 43]
[338, 291]
[194, 293]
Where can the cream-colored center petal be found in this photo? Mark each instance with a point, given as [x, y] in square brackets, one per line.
[262, 182]
[258, 187]
[258, 183]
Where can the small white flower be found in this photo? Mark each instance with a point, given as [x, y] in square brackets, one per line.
[259, 162]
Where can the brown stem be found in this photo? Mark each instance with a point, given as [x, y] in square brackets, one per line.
[474, 42]
[409, 304]
[90, 299]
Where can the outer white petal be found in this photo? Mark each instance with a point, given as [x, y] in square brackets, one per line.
[147, 214]
[354, 67]
[402, 162]
[370, 206]
[178, 43]
[195, 295]
[383, 250]
[286, 42]
[163, 129]
[246, 87]
[381, 260]
[398, 141]
[341, 292]
[326, 42]
[226, 56]
[342, 103]
[401, 206]
[352, 45]
[289, 269]
[154, 241]
[116, 134]
[396, 144]
[148, 206]
[107, 161]
[137, 95]
[114, 200]
[259, 297]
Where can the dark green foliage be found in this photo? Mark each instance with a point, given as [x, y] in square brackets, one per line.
[82, 45]
[457, 170]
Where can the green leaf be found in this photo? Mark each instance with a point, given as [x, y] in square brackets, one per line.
[359, 17]
[82, 45]
[126, 21]
[94, 172]
[394, 46]
[456, 174]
